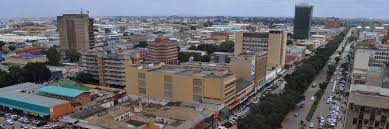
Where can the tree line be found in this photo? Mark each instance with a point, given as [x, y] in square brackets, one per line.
[272, 109]
[227, 46]
[32, 72]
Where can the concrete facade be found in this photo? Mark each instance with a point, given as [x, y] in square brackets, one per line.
[76, 32]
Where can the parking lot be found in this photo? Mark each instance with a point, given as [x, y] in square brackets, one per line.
[13, 120]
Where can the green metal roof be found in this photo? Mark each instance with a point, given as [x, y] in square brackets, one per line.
[61, 91]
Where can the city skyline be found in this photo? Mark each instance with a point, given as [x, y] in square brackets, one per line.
[263, 8]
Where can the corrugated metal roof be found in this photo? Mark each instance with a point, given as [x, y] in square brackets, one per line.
[61, 91]
[12, 96]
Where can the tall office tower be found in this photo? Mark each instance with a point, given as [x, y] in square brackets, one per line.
[76, 32]
[273, 42]
[163, 50]
[302, 21]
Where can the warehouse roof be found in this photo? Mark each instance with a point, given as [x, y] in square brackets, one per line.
[61, 91]
[16, 97]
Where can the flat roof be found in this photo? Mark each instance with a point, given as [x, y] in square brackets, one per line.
[372, 90]
[61, 91]
[242, 84]
[14, 97]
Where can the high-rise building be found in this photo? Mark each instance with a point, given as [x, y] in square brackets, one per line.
[302, 21]
[332, 22]
[272, 42]
[107, 67]
[76, 32]
[163, 50]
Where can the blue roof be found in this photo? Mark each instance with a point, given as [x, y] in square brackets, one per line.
[61, 91]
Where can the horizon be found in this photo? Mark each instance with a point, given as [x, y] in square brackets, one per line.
[368, 9]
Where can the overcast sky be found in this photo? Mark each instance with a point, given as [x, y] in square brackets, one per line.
[274, 8]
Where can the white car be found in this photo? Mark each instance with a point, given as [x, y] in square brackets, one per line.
[312, 98]
[311, 125]
[9, 122]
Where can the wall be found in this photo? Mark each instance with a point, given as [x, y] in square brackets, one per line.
[61, 110]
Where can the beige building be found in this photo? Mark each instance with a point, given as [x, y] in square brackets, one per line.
[250, 66]
[192, 82]
[273, 42]
[368, 101]
[76, 32]
[108, 68]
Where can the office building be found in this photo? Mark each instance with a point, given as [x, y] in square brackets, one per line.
[250, 66]
[368, 106]
[331, 23]
[163, 50]
[191, 82]
[272, 42]
[107, 66]
[76, 32]
[302, 21]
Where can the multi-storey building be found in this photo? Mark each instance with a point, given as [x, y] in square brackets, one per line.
[192, 82]
[250, 66]
[163, 50]
[273, 42]
[331, 23]
[76, 31]
[368, 103]
[107, 67]
[302, 21]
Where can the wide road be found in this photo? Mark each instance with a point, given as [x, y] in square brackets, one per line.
[323, 108]
[293, 122]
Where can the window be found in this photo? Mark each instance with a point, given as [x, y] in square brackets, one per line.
[141, 76]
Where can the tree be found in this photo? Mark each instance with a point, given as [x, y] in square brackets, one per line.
[227, 46]
[193, 47]
[72, 55]
[192, 27]
[107, 30]
[141, 44]
[35, 72]
[53, 56]
[86, 78]
[12, 48]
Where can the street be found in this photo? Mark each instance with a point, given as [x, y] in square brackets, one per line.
[291, 121]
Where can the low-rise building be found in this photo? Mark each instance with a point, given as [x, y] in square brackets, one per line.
[24, 59]
[23, 97]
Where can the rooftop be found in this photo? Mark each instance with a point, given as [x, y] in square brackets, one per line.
[242, 84]
[13, 96]
[370, 90]
[61, 91]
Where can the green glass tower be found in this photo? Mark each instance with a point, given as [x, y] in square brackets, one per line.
[302, 21]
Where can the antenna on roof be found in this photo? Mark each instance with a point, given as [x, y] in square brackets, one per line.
[81, 11]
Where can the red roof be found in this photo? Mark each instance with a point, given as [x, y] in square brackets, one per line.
[289, 58]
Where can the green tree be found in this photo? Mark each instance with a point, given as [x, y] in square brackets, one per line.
[107, 30]
[12, 48]
[227, 46]
[193, 47]
[35, 72]
[192, 27]
[72, 55]
[141, 44]
[86, 78]
[53, 56]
